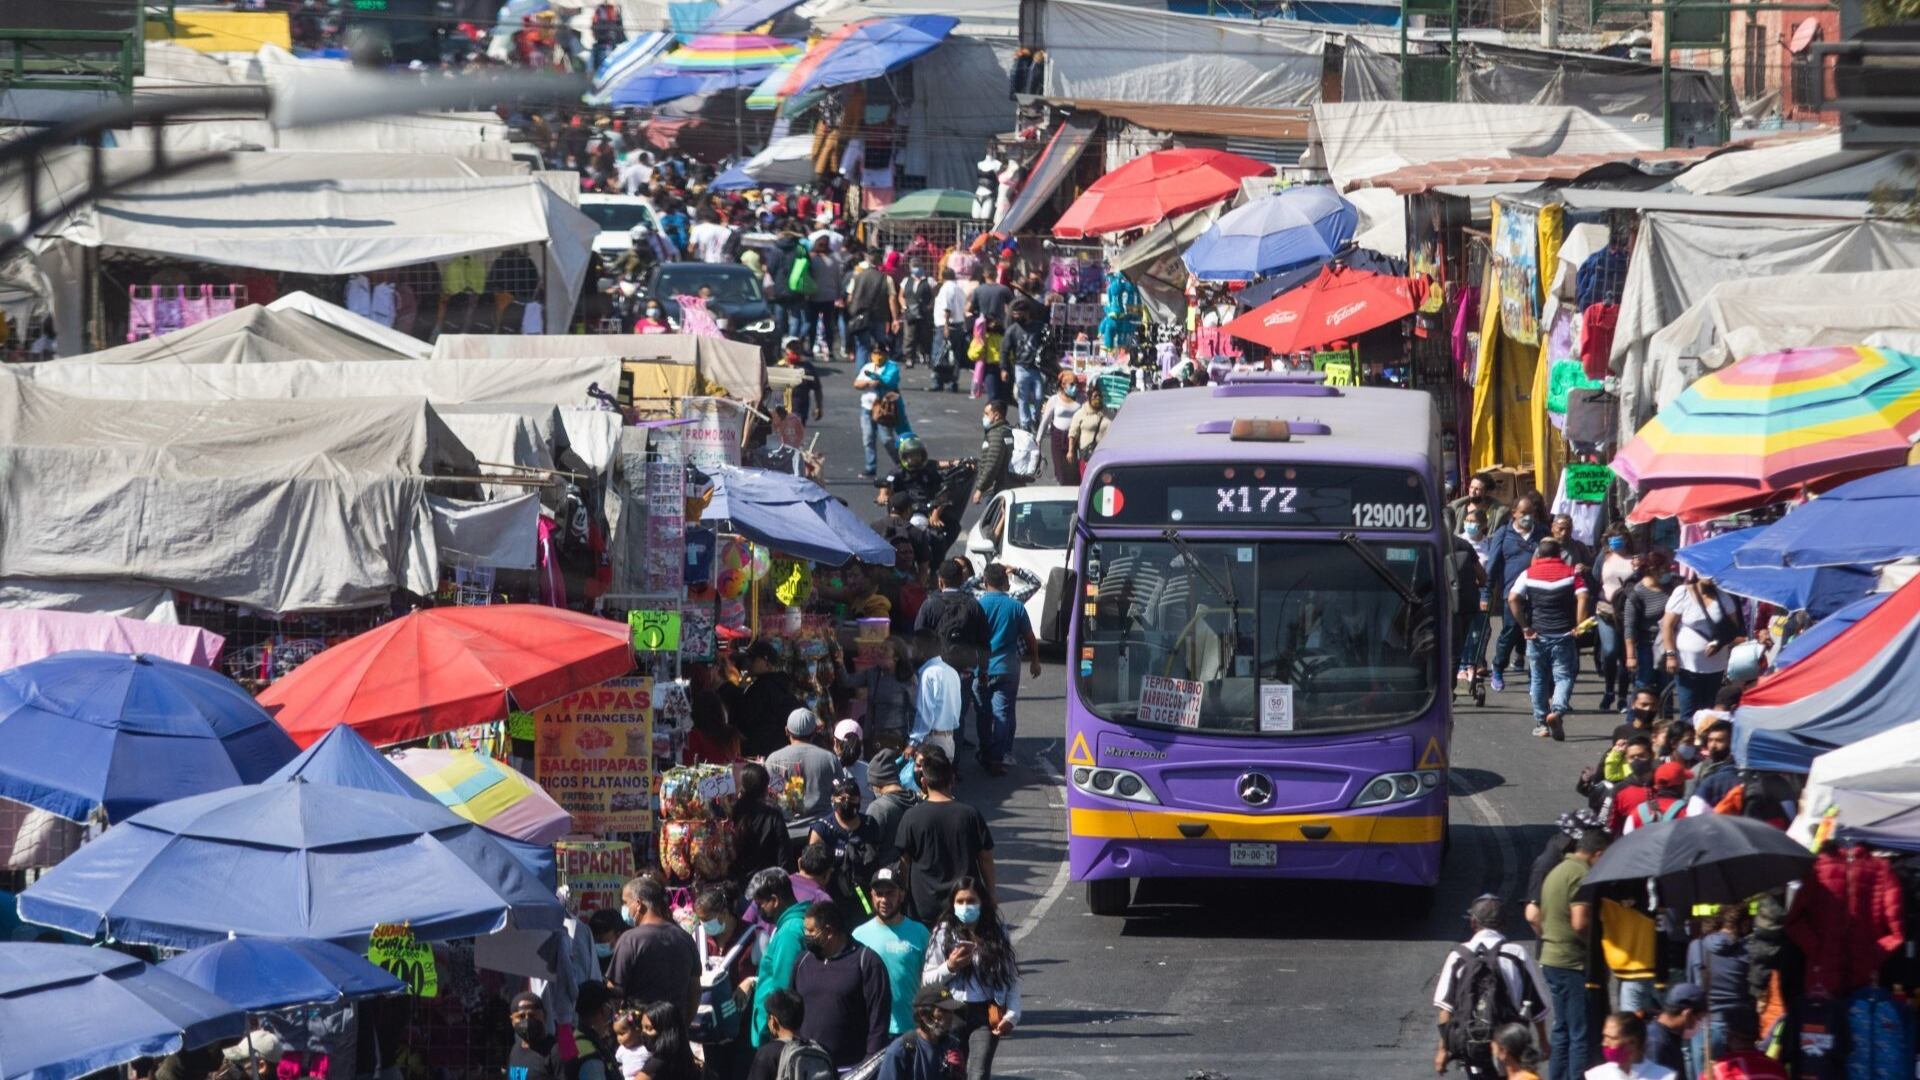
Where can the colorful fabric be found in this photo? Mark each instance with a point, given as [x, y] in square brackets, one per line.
[487, 793]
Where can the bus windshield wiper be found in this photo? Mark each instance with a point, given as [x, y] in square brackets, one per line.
[1380, 568]
[1223, 590]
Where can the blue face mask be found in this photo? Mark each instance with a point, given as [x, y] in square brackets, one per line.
[626, 915]
[967, 913]
[1617, 543]
[909, 781]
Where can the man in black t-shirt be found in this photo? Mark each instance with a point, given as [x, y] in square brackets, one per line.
[943, 840]
[533, 1056]
[655, 960]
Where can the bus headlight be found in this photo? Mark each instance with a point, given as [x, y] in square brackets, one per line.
[1397, 787]
[1113, 784]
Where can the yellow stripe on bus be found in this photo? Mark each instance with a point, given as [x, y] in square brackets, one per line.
[1165, 825]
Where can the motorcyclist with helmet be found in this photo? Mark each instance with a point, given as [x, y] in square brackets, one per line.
[933, 490]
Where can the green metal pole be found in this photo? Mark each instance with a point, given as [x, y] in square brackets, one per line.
[1666, 86]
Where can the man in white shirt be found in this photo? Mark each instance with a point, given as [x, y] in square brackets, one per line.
[710, 239]
[1526, 990]
[938, 702]
[950, 330]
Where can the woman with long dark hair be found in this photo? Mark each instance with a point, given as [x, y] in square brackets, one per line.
[759, 828]
[713, 741]
[670, 1054]
[1615, 571]
[971, 957]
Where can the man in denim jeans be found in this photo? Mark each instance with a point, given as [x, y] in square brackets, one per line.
[1547, 601]
[999, 686]
[1565, 925]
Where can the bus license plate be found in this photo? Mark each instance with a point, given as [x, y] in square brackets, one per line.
[1253, 855]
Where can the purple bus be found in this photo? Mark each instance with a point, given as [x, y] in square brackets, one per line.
[1257, 640]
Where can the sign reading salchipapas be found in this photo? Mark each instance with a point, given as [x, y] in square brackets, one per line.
[595, 756]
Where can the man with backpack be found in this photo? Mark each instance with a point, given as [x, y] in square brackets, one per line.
[784, 1055]
[790, 283]
[1485, 984]
[1666, 800]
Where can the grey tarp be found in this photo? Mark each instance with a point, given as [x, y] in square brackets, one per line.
[500, 435]
[132, 599]
[1113, 52]
[1678, 257]
[502, 533]
[276, 505]
[248, 335]
[1498, 75]
[1153, 263]
[1809, 168]
[733, 365]
[559, 381]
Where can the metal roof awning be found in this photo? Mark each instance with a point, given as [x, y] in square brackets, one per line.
[1279, 124]
[1755, 205]
[1418, 179]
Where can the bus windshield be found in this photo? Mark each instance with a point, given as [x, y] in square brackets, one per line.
[1257, 638]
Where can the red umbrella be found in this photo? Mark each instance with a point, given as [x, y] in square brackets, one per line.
[445, 668]
[1154, 187]
[1694, 503]
[1340, 303]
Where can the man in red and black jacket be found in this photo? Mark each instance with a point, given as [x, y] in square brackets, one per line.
[1548, 600]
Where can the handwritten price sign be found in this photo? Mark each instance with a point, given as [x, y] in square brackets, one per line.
[393, 947]
[655, 631]
[1588, 482]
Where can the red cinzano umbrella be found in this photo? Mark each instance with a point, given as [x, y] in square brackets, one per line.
[1340, 303]
[1156, 186]
[445, 668]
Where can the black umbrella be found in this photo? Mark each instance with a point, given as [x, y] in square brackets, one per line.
[1711, 859]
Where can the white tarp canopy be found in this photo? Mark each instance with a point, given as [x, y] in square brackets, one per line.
[330, 214]
[1742, 318]
[402, 344]
[502, 532]
[1115, 52]
[1809, 168]
[561, 381]
[1874, 784]
[1355, 140]
[787, 160]
[250, 335]
[185, 495]
[1679, 257]
[733, 365]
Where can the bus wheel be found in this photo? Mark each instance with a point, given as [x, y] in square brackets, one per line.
[1109, 896]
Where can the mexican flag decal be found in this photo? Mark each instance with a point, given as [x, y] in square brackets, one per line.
[1108, 501]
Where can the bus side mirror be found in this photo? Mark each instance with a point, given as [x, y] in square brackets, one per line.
[1062, 584]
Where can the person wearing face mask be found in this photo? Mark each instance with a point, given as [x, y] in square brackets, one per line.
[852, 838]
[1056, 419]
[731, 953]
[533, 1056]
[1697, 635]
[1636, 786]
[593, 1037]
[1508, 555]
[606, 926]
[845, 986]
[1682, 1009]
[916, 315]
[1716, 775]
[654, 960]
[996, 452]
[928, 1051]
[653, 320]
[971, 957]
[1548, 601]
[771, 894]
[1469, 568]
[1566, 927]
[1622, 1043]
[1641, 614]
[1666, 798]
[1515, 1054]
[1616, 572]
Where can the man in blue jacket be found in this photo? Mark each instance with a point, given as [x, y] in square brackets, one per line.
[1508, 554]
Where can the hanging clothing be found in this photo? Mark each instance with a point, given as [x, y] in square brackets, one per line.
[1601, 278]
[1596, 338]
[1846, 920]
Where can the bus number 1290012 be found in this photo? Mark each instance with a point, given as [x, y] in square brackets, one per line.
[1373, 515]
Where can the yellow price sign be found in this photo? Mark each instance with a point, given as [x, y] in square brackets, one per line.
[1340, 375]
[393, 947]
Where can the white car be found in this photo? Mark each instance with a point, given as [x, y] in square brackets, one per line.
[1028, 531]
[617, 215]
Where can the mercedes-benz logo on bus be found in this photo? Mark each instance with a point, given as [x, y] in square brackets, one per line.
[1254, 788]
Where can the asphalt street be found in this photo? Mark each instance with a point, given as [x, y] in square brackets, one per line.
[1209, 980]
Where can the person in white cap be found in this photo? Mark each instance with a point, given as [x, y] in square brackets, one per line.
[849, 740]
[816, 768]
[257, 1055]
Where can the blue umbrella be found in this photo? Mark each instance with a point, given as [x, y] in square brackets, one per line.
[290, 860]
[1869, 521]
[661, 84]
[83, 730]
[69, 1010]
[793, 515]
[1828, 628]
[344, 758]
[258, 974]
[1297, 227]
[867, 50]
[1818, 592]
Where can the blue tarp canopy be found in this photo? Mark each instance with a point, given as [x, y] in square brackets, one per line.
[1828, 628]
[70, 1010]
[1818, 591]
[793, 515]
[1870, 520]
[290, 860]
[869, 50]
[80, 730]
[660, 84]
[344, 758]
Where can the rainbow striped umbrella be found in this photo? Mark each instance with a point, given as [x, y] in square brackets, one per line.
[489, 794]
[1780, 419]
[732, 52]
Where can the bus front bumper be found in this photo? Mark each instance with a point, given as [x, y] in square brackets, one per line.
[1394, 848]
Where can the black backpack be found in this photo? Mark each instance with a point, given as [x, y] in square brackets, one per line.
[956, 648]
[1479, 1005]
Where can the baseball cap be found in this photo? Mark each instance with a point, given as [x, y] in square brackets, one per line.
[802, 723]
[1670, 774]
[264, 1045]
[1684, 996]
[847, 729]
[934, 997]
[885, 877]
